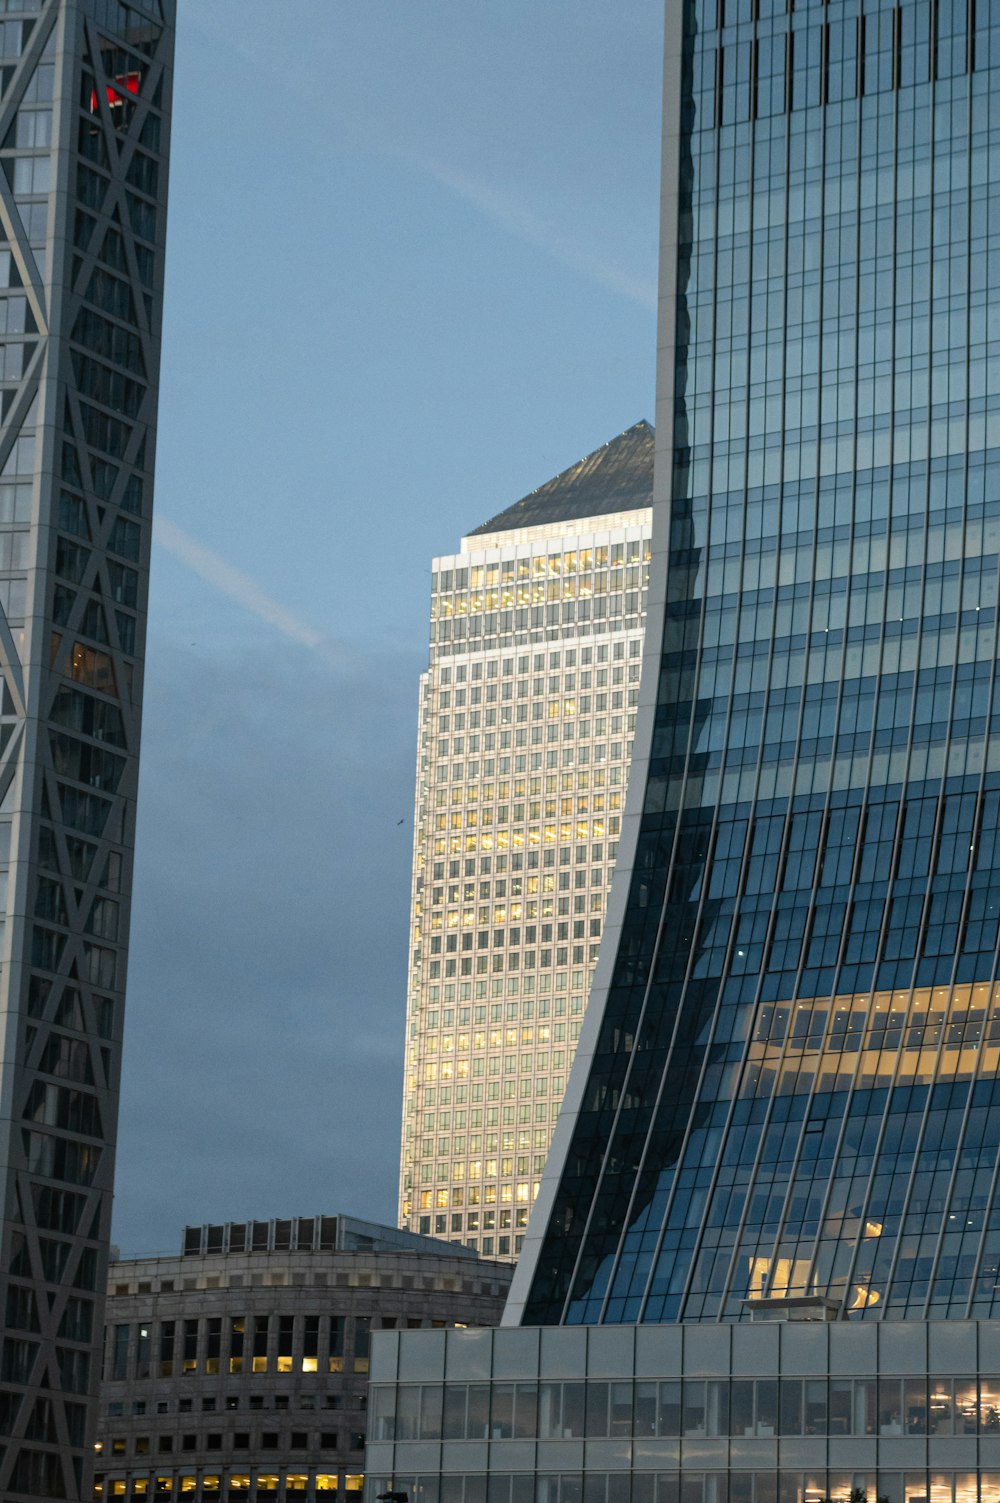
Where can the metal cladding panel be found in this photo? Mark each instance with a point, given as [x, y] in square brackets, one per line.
[616, 477]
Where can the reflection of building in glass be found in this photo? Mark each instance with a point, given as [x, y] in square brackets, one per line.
[240, 1368]
[84, 105]
[527, 712]
[774, 1178]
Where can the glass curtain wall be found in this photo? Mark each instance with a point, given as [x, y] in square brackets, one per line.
[794, 1091]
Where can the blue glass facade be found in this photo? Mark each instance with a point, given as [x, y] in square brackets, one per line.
[794, 1083]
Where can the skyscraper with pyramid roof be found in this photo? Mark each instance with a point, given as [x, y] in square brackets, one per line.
[527, 713]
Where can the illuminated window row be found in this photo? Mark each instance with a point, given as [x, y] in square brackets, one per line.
[571, 618]
[478, 576]
[569, 658]
[585, 588]
[160, 1487]
[435, 994]
[237, 1344]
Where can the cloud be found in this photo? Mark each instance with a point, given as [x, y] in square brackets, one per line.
[237, 586]
[267, 970]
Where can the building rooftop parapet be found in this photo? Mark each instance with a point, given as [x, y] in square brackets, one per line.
[304, 1234]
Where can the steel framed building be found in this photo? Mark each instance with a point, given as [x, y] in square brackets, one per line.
[84, 129]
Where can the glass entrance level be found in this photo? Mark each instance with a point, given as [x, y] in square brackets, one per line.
[797, 1411]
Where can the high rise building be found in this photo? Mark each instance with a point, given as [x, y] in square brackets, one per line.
[764, 1259]
[792, 1079]
[527, 713]
[84, 104]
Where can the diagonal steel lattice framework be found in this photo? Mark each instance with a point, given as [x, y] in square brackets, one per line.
[84, 100]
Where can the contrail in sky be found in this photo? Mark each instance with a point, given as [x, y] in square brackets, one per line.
[239, 587]
[514, 216]
[510, 212]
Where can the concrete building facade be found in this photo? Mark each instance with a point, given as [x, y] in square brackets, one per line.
[527, 713]
[239, 1369]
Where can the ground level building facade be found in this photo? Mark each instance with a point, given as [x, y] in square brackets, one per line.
[780, 1412]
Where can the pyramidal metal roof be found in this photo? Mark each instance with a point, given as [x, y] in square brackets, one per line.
[616, 477]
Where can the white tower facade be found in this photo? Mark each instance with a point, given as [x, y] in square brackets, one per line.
[527, 711]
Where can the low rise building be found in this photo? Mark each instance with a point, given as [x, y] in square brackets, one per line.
[239, 1368]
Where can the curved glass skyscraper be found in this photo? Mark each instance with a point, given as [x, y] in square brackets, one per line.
[793, 1081]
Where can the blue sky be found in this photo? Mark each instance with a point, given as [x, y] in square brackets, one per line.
[411, 273]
